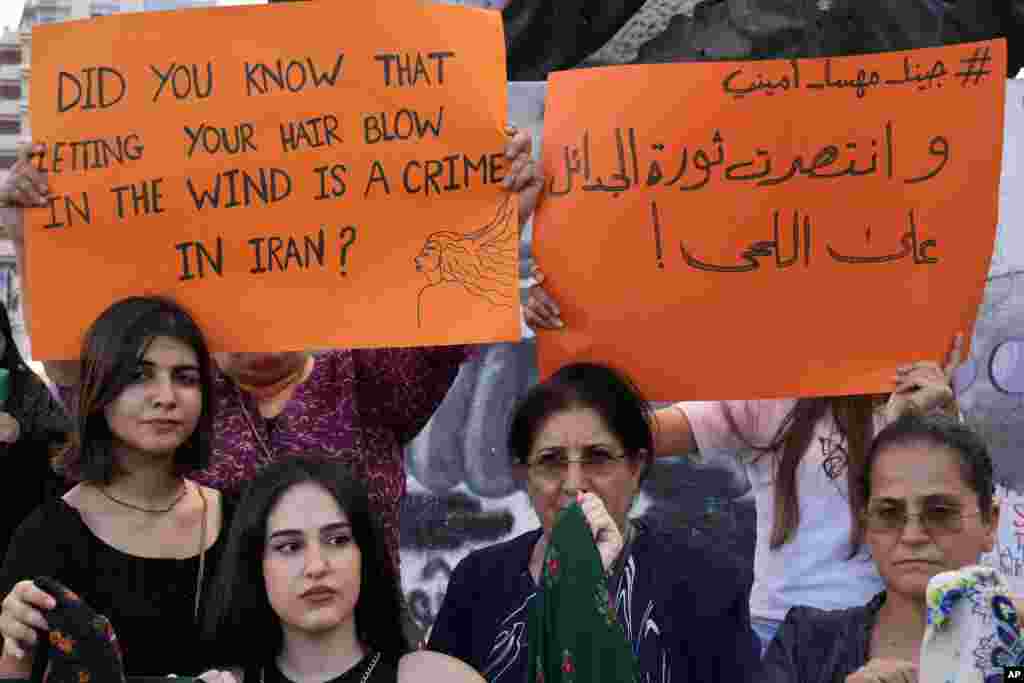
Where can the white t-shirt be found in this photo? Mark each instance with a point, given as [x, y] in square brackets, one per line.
[812, 568]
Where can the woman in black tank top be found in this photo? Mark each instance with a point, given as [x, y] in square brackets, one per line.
[307, 591]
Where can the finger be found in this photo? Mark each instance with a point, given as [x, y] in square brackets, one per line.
[533, 177]
[923, 378]
[932, 375]
[25, 615]
[955, 356]
[33, 595]
[536, 315]
[27, 150]
[14, 629]
[524, 177]
[520, 142]
[596, 514]
[537, 274]
[544, 301]
[910, 367]
[535, 318]
[27, 194]
[512, 179]
[38, 181]
[590, 501]
[12, 650]
[541, 306]
[25, 171]
[917, 382]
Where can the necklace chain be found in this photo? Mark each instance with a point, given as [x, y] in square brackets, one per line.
[252, 425]
[364, 679]
[152, 511]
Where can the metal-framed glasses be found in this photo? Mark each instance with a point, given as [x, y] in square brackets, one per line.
[553, 465]
[936, 520]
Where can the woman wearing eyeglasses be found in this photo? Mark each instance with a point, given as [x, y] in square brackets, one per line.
[585, 435]
[802, 457]
[929, 509]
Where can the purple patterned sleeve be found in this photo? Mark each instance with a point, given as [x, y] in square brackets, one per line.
[67, 397]
[401, 388]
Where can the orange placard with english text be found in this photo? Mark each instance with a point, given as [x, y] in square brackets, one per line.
[300, 175]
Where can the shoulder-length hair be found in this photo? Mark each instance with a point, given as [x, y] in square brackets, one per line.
[240, 618]
[854, 419]
[111, 351]
[13, 361]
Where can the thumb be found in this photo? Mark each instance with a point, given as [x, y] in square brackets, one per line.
[955, 356]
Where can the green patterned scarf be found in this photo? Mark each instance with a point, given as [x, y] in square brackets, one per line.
[572, 629]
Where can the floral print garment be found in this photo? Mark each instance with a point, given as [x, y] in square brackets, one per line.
[359, 406]
[82, 645]
[973, 631]
[572, 630]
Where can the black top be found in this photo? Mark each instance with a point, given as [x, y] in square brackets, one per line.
[385, 671]
[44, 424]
[150, 602]
[683, 604]
[821, 646]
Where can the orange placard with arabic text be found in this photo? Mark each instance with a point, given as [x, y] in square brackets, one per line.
[300, 175]
[770, 229]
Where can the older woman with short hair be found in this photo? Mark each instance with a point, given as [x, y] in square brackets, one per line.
[585, 434]
[929, 509]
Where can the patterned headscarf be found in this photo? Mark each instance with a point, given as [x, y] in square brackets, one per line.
[973, 631]
[572, 630]
[80, 646]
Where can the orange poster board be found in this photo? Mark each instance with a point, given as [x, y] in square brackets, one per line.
[302, 175]
[770, 229]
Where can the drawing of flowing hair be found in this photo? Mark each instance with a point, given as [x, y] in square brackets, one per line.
[484, 261]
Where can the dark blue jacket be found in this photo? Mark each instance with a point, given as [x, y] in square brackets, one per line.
[682, 602]
[820, 646]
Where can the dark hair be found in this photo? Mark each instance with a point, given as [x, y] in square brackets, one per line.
[111, 350]
[240, 618]
[854, 418]
[604, 390]
[20, 380]
[11, 359]
[939, 431]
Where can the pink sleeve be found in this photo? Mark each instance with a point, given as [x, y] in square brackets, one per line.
[756, 421]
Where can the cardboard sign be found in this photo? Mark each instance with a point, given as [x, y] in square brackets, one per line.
[299, 175]
[770, 229]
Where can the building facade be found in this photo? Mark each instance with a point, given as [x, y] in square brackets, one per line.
[15, 122]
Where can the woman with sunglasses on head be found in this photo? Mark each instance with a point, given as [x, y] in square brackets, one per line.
[928, 508]
[307, 592]
[136, 538]
[584, 435]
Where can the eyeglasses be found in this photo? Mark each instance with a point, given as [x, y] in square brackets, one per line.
[554, 465]
[937, 520]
